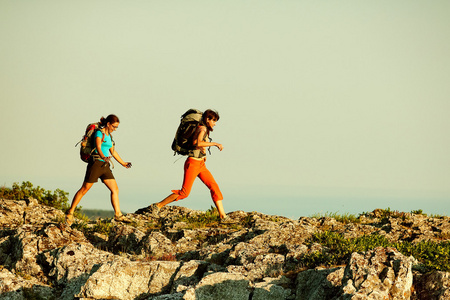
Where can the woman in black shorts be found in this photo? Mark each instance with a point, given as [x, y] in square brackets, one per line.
[99, 167]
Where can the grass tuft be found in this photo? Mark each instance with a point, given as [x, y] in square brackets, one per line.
[336, 250]
[207, 219]
[344, 218]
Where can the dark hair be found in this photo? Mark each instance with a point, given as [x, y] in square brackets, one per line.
[209, 114]
[109, 119]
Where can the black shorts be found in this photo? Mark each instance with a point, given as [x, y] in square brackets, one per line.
[98, 169]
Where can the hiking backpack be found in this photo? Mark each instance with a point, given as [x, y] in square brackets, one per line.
[87, 143]
[183, 142]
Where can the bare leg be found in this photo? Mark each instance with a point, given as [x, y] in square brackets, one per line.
[77, 198]
[112, 186]
[219, 207]
[167, 200]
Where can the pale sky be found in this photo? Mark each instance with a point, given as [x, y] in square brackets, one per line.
[326, 106]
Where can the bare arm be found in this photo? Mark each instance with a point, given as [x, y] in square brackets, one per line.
[201, 143]
[118, 158]
[98, 146]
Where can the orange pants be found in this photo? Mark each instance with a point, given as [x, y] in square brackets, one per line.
[194, 168]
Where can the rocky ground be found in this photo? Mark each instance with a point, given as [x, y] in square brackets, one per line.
[161, 256]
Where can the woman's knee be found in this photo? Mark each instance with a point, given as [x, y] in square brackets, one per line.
[112, 186]
[181, 194]
[216, 194]
[82, 192]
[85, 188]
[115, 190]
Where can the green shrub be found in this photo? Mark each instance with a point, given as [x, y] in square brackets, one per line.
[431, 255]
[388, 213]
[103, 227]
[152, 226]
[80, 225]
[345, 218]
[79, 215]
[209, 218]
[337, 250]
[57, 199]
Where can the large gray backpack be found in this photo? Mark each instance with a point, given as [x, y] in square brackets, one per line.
[183, 143]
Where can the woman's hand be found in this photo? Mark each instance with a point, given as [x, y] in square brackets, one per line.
[219, 146]
[119, 159]
[127, 165]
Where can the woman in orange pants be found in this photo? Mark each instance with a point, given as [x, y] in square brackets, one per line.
[195, 167]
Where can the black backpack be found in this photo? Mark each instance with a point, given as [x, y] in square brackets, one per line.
[183, 142]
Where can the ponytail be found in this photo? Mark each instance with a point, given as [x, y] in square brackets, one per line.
[102, 122]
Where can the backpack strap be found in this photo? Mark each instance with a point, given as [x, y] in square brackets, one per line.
[95, 155]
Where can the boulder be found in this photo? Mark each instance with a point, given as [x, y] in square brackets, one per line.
[432, 286]
[13, 286]
[319, 284]
[220, 286]
[124, 238]
[15, 213]
[272, 289]
[382, 273]
[124, 279]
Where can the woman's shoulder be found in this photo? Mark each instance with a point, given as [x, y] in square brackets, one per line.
[201, 128]
[100, 132]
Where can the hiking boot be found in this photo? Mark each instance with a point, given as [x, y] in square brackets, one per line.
[154, 210]
[122, 218]
[68, 220]
[227, 220]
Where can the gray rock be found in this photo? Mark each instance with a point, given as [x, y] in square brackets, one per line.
[189, 274]
[319, 284]
[220, 286]
[21, 249]
[73, 261]
[14, 213]
[124, 279]
[164, 256]
[157, 244]
[123, 238]
[378, 274]
[13, 286]
[434, 285]
[272, 289]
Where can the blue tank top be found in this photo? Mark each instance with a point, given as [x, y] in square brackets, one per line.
[107, 143]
